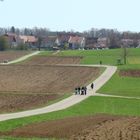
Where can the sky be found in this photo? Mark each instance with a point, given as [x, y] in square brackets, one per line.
[67, 15]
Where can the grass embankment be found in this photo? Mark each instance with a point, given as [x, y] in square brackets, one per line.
[91, 106]
[123, 85]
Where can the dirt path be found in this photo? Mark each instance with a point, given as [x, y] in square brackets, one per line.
[72, 100]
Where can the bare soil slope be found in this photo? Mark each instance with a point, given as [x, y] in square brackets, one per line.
[130, 73]
[99, 127]
[26, 87]
[52, 60]
[16, 102]
[44, 79]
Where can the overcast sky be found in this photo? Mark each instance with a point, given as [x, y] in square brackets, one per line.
[78, 15]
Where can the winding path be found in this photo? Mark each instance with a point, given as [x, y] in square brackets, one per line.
[72, 100]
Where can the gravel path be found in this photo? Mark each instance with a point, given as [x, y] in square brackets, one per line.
[72, 100]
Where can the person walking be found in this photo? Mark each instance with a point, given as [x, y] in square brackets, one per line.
[85, 88]
[76, 91]
[82, 91]
[79, 90]
[92, 85]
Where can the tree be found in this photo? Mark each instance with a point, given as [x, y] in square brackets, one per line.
[22, 46]
[124, 54]
[3, 43]
[12, 30]
[39, 42]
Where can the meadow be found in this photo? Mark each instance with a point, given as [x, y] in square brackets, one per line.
[91, 106]
[107, 56]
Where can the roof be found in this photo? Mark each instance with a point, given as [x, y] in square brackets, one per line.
[31, 39]
[76, 39]
[49, 39]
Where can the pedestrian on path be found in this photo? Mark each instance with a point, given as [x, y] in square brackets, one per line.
[85, 88]
[82, 91]
[92, 85]
[79, 90]
[76, 91]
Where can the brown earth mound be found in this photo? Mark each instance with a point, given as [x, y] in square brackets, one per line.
[130, 73]
[25, 87]
[52, 60]
[44, 79]
[122, 129]
[99, 127]
[13, 102]
[12, 55]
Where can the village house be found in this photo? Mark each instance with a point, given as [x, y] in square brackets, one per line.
[11, 39]
[63, 39]
[49, 42]
[15, 40]
[127, 42]
[91, 43]
[102, 43]
[30, 41]
[76, 42]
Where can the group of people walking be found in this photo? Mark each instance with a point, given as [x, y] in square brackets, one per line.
[82, 90]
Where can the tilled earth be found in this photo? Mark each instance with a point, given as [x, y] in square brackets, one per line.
[11, 55]
[98, 127]
[16, 102]
[53, 60]
[24, 87]
[130, 73]
[44, 79]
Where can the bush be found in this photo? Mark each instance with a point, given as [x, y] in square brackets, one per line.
[22, 46]
[3, 43]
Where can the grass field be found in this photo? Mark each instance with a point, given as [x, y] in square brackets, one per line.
[109, 56]
[93, 105]
[122, 86]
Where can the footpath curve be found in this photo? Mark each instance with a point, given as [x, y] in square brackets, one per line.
[72, 100]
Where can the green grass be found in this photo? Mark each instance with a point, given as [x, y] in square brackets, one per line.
[91, 106]
[122, 86]
[46, 53]
[109, 56]
[94, 56]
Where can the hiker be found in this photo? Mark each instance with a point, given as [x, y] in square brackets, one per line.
[82, 91]
[85, 88]
[79, 90]
[92, 86]
[76, 91]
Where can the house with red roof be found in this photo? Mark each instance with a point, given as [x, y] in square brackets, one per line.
[76, 42]
[31, 41]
